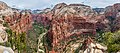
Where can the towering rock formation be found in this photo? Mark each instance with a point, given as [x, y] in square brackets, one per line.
[75, 20]
[5, 9]
[68, 24]
[112, 13]
[19, 22]
[69, 21]
[108, 18]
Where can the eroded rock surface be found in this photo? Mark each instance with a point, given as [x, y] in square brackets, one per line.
[3, 34]
[69, 21]
[19, 22]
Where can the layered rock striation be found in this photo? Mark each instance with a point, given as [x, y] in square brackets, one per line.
[19, 22]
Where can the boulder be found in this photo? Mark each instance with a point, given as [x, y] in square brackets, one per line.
[4, 49]
[3, 36]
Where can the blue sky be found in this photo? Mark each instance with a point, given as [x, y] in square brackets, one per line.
[41, 4]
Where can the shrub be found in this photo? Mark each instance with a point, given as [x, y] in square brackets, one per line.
[112, 40]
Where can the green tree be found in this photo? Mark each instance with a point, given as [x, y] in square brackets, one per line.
[16, 41]
[112, 40]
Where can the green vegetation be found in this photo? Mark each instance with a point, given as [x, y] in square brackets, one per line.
[16, 41]
[5, 24]
[33, 36]
[24, 42]
[112, 40]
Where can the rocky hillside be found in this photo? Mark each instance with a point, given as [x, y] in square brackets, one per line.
[67, 28]
[16, 20]
[13, 26]
[71, 20]
[5, 9]
[112, 13]
[67, 23]
[19, 22]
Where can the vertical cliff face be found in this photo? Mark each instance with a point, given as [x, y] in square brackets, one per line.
[115, 21]
[108, 20]
[19, 22]
[112, 14]
[16, 20]
[44, 17]
[112, 10]
[78, 19]
[68, 24]
[69, 21]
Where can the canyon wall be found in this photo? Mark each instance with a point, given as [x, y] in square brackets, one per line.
[19, 22]
[71, 20]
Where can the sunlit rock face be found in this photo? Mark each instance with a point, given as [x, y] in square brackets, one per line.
[70, 20]
[3, 5]
[78, 19]
[19, 22]
[91, 47]
[77, 10]
[6, 10]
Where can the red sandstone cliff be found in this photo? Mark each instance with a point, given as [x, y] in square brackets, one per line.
[70, 20]
[19, 22]
[78, 19]
[65, 21]
[112, 13]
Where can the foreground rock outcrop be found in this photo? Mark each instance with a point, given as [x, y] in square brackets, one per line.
[92, 47]
[6, 50]
[3, 34]
[3, 11]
